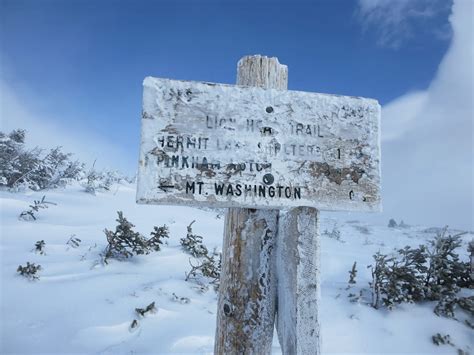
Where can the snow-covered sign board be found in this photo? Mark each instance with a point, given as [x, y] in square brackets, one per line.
[205, 144]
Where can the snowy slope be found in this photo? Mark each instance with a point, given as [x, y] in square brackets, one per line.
[82, 306]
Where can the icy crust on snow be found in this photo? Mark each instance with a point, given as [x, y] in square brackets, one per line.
[77, 306]
[233, 146]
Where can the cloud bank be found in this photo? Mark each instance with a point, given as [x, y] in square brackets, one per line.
[427, 139]
[394, 20]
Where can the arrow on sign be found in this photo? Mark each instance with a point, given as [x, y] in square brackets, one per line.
[164, 187]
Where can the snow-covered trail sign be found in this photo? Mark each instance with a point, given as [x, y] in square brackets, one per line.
[216, 145]
[258, 148]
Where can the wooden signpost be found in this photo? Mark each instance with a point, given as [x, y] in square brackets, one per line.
[257, 148]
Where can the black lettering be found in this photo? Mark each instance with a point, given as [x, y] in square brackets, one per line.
[184, 162]
[299, 128]
[190, 187]
[319, 132]
[271, 191]
[238, 190]
[191, 142]
[261, 191]
[200, 183]
[219, 189]
[179, 142]
[287, 192]
[160, 158]
[175, 161]
[230, 190]
[298, 192]
[279, 190]
[161, 140]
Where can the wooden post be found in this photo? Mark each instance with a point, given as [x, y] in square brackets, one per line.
[247, 294]
[298, 290]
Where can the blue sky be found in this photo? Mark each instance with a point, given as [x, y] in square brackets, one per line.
[75, 68]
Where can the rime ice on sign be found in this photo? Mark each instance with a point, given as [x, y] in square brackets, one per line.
[233, 146]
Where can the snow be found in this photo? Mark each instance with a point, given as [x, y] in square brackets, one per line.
[81, 306]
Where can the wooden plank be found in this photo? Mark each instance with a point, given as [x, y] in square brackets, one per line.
[219, 145]
[298, 285]
[247, 294]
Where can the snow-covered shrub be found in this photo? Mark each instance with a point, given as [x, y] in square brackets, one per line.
[178, 299]
[157, 236]
[379, 272]
[29, 215]
[39, 247]
[399, 278]
[192, 243]
[353, 274]
[92, 181]
[403, 225]
[353, 297]
[102, 180]
[148, 309]
[124, 242]
[335, 233]
[432, 272]
[446, 273]
[32, 168]
[29, 271]
[73, 242]
[439, 339]
[54, 170]
[134, 325]
[392, 223]
[207, 266]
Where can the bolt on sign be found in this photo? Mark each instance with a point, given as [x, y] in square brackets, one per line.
[216, 145]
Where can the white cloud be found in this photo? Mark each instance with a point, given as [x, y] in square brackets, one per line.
[20, 110]
[392, 20]
[427, 150]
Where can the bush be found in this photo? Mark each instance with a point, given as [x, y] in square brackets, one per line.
[73, 241]
[32, 168]
[40, 169]
[148, 309]
[124, 242]
[157, 236]
[353, 274]
[207, 266]
[432, 273]
[192, 243]
[335, 233]
[29, 271]
[29, 215]
[446, 273]
[392, 223]
[39, 247]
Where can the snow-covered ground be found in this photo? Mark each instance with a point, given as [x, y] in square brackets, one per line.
[82, 306]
